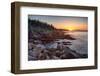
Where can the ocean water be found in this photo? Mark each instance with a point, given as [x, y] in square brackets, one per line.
[80, 45]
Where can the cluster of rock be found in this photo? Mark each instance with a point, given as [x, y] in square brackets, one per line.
[50, 51]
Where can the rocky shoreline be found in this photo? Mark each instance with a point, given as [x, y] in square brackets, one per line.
[43, 50]
[45, 44]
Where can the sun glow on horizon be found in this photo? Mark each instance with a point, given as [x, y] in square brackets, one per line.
[71, 26]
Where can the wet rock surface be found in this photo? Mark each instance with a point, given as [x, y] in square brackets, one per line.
[51, 51]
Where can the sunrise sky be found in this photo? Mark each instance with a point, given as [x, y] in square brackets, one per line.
[63, 22]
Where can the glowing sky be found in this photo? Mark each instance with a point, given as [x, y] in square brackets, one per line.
[63, 22]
